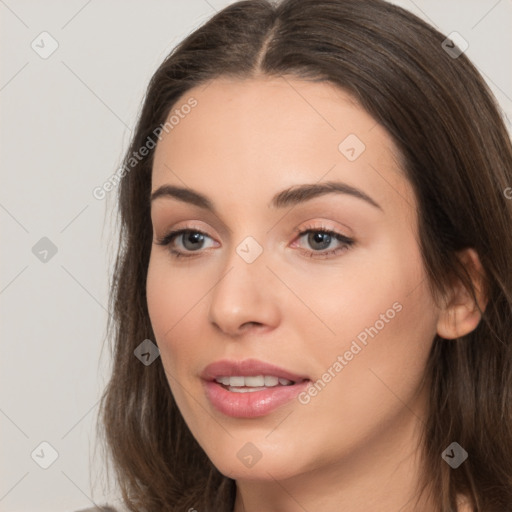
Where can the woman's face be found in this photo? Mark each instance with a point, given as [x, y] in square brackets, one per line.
[352, 315]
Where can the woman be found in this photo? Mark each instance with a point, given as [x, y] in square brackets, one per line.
[312, 296]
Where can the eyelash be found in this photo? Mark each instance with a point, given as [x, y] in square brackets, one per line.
[347, 243]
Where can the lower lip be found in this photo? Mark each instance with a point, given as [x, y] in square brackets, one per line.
[253, 403]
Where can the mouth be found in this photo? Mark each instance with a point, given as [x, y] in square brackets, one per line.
[252, 383]
[250, 388]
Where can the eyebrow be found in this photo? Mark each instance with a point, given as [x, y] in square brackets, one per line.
[288, 197]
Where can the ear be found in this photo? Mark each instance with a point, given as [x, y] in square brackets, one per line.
[461, 314]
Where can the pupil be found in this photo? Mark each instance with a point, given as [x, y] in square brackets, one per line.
[320, 238]
[194, 238]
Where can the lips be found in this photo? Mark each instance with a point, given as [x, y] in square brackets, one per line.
[247, 368]
[252, 402]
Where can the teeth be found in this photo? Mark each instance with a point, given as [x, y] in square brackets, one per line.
[236, 381]
[253, 381]
[271, 380]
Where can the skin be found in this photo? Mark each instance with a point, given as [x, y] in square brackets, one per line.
[354, 446]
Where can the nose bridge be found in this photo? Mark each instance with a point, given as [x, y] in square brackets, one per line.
[244, 292]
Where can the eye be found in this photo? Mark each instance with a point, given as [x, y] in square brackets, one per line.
[194, 238]
[319, 238]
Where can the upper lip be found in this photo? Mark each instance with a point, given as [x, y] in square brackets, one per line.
[247, 367]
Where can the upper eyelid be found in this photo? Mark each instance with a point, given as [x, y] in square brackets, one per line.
[345, 229]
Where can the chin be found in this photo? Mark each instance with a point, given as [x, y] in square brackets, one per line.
[255, 461]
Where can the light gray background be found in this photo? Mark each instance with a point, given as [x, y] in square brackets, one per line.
[65, 123]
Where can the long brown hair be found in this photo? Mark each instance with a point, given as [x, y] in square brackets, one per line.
[457, 155]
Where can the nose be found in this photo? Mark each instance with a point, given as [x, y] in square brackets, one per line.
[244, 297]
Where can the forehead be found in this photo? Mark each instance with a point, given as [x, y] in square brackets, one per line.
[254, 136]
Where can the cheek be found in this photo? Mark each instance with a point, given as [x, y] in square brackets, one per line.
[170, 295]
[176, 300]
[168, 301]
[373, 289]
[378, 307]
[160, 297]
[385, 326]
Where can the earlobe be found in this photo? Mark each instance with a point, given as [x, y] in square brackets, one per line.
[461, 314]
[457, 321]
